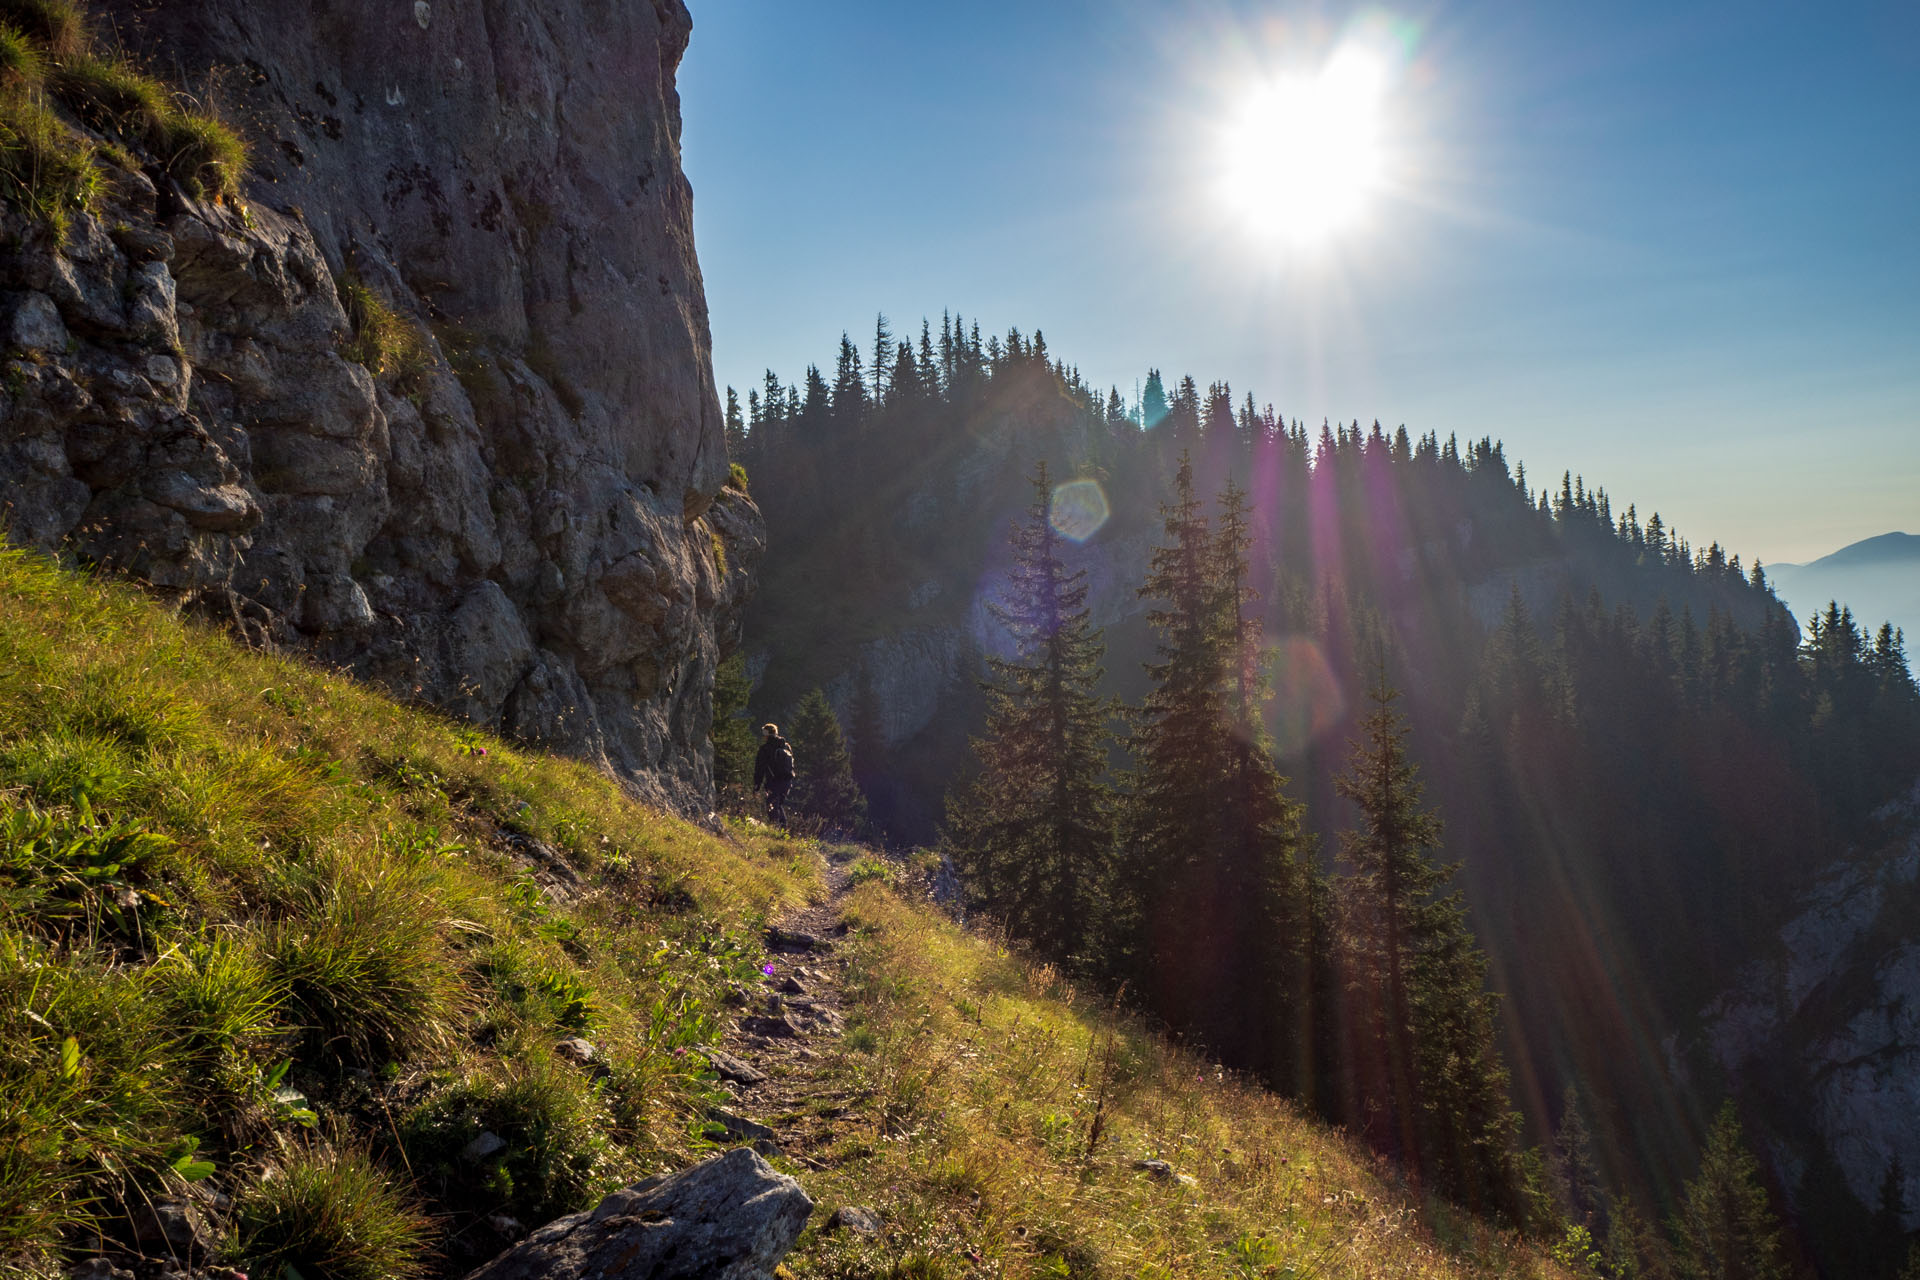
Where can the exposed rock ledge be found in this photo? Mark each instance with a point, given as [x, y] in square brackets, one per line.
[1830, 1022]
[542, 543]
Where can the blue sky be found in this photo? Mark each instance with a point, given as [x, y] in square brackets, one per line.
[1674, 248]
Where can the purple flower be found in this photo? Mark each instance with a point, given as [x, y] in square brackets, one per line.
[479, 751]
[767, 968]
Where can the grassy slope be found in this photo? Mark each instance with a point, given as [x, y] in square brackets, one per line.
[214, 862]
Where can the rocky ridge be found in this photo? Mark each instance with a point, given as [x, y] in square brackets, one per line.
[528, 524]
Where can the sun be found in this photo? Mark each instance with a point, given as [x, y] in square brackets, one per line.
[1303, 156]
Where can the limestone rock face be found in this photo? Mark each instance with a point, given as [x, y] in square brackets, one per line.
[727, 1218]
[1827, 1028]
[525, 524]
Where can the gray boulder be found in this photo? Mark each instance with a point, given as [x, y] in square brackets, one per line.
[728, 1218]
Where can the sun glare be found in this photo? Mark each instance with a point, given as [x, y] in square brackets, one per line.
[1303, 156]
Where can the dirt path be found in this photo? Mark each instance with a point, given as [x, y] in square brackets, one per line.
[773, 1058]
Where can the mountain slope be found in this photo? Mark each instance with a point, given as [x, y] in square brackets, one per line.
[1638, 760]
[213, 862]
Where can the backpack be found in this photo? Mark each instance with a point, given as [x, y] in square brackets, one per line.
[781, 766]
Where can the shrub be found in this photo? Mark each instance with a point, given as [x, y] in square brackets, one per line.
[868, 867]
[59, 26]
[736, 477]
[329, 1214]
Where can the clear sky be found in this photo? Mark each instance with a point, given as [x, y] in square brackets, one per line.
[1673, 247]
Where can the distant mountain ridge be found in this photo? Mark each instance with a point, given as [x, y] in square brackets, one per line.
[1885, 548]
[1878, 578]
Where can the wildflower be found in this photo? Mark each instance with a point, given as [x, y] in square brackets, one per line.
[479, 751]
[767, 968]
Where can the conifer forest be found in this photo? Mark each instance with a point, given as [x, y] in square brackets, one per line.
[1439, 798]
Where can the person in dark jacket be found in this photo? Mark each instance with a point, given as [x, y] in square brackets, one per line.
[773, 772]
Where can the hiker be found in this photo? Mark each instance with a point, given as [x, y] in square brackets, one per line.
[773, 772]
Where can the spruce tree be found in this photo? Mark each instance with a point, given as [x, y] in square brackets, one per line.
[734, 740]
[1222, 943]
[1427, 1081]
[882, 362]
[823, 787]
[1153, 401]
[736, 427]
[1266, 895]
[1033, 832]
[1575, 1172]
[1725, 1229]
[1178, 763]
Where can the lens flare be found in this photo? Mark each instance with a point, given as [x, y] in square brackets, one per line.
[1078, 509]
[1306, 696]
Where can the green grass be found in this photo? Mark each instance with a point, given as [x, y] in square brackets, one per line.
[325, 974]
[46, 169]
[386, 342]
[58, 26]
[203, 154]
[561, 1154]
[998, 1113]
[330, 1214]
[247, 893]
[22, 66]
[51, 170]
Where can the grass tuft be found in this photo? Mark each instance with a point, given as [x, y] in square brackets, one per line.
[365, 962]
[386, 342]
[221, 998]
[202, 153]
[58, 26]
[21, 65]
[81, 1108]
[330, 1213]
[46, 169]
[110, 95]
[558, 1158]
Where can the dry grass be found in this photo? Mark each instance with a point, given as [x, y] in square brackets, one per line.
[1002, 1114]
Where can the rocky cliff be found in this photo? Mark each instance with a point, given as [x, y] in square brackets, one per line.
[1826, 1029]
[511, 505]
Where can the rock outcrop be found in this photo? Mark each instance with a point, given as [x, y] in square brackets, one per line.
[1827, 1029]
[727, 1218]
[525, 522]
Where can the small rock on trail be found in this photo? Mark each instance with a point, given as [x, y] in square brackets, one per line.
[728, 1218]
